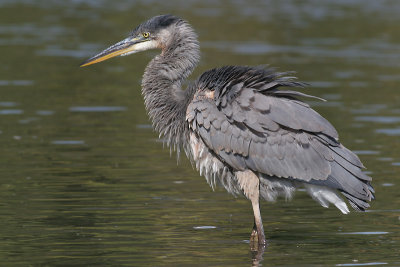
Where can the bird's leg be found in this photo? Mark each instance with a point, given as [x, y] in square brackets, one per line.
[250, 184]
[258, 225]
[254, 235]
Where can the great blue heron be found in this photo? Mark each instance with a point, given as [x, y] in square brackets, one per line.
[238, 127]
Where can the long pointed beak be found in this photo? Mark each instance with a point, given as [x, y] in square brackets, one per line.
[124, 47]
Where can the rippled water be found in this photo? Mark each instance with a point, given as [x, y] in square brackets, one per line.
[85, 181]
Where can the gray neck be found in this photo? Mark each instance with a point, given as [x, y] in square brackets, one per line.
[164, 98]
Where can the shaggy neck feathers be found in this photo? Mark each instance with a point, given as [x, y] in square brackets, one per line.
[164, 98]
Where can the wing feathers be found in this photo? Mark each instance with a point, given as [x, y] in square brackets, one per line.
[250, 124]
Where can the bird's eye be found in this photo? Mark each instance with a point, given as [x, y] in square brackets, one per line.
[146, 34]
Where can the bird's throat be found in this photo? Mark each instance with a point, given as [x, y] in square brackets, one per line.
[165, 100]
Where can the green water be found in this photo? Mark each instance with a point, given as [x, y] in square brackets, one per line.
[84, 180]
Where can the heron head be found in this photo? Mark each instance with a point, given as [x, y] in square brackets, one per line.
[154, 33]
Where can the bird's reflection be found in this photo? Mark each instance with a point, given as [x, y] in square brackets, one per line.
[257, 252]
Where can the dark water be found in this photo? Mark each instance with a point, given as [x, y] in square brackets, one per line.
[84, 180]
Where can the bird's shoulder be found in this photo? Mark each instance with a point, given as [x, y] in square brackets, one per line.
[254, 96]
[225, 84]
[229, 80]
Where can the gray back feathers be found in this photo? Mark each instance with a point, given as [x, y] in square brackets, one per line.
[251, 124]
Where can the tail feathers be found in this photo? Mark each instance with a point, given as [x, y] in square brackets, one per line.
[356, 203]
[348, 178]
[325, 196]
[372, 190]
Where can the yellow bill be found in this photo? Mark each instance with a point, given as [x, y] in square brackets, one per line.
[124, 47]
